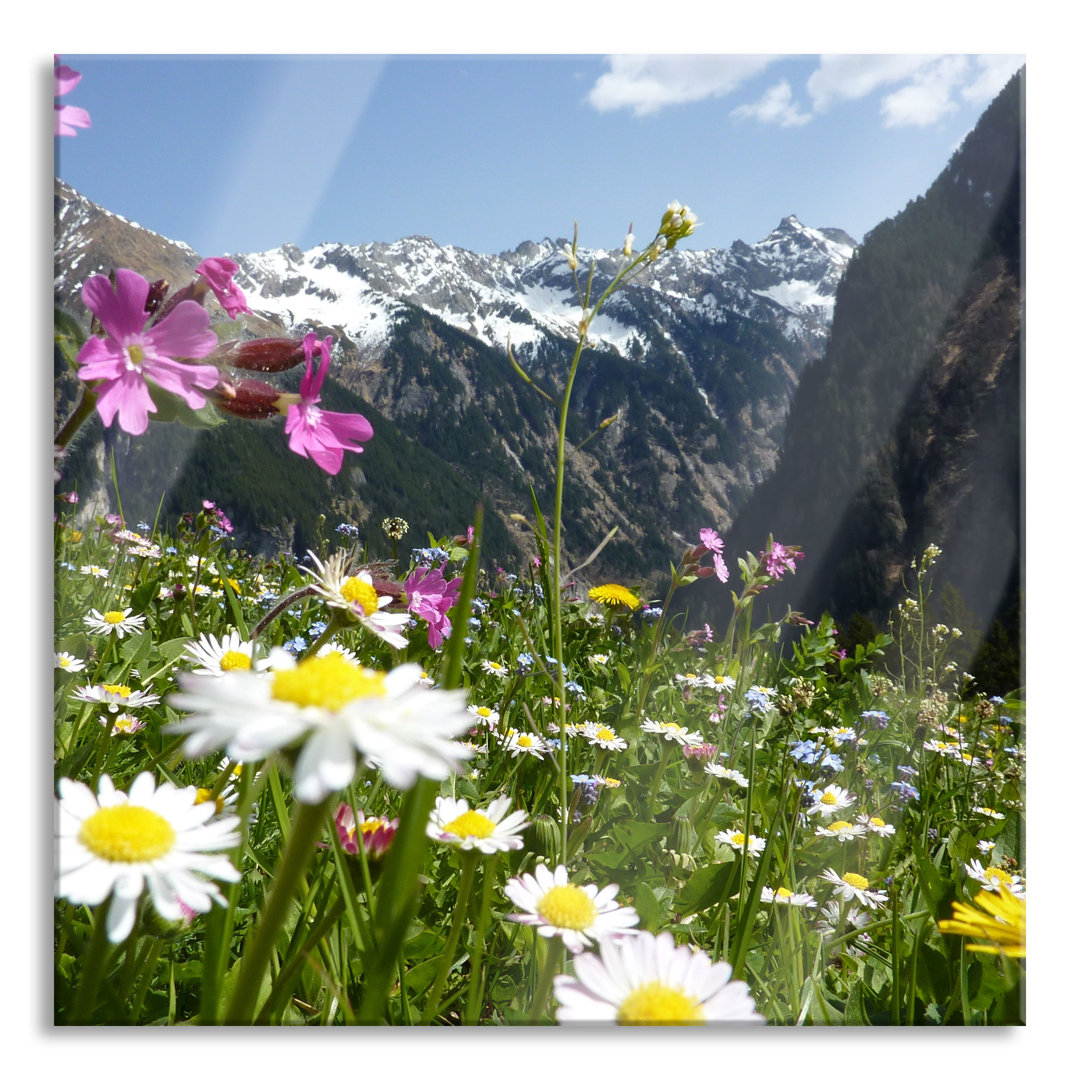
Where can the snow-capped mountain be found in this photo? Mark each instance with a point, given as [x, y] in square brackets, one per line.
[523, 295]
[697, 359]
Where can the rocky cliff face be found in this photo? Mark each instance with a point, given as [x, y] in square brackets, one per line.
[908, 431]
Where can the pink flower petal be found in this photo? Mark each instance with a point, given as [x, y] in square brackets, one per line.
[121, 311]
[185, 331]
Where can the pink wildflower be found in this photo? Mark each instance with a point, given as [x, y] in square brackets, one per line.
[131, 354]
[710, 538]
[219, 276]
[313, 432]
[779, 559]
[429, 595]
[66, 118]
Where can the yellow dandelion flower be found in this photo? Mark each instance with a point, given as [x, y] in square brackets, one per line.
[1002, 922]
[615, 595]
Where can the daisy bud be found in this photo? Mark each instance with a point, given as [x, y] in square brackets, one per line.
[545, 838]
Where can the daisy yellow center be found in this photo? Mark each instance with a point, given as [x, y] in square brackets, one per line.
[370, 825]
[738, 839]
[996, 874]
[113, 617]
[856, 881]
[878, 822]
[471, 823]
[233, 660]
[205, 795]
[115, 688]
[525, 740]
[483, 711]
[495, 665]
[128, 834]
[783, 894]
[605, 733]
[840, 826]
[829, 798]
[568, 906]
[358, 591]
[326, 682]
[670, 725]
[656, 1003]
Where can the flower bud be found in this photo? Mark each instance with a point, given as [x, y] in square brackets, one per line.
[259, 354]
[250, 399]
[544, 838]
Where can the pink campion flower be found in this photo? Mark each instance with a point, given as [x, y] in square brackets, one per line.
[66, 118]
[779, 559]
[710, 538]
[313, 432]
[430, 596]
[132, 354]
[219, 276]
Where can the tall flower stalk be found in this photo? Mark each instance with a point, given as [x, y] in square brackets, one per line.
[676, 223]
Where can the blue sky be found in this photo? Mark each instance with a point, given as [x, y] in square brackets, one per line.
[243, 153]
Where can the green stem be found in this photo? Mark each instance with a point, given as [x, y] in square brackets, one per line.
[552, 957]
[76, 420]
[93, 969]
[469, 860]
[261, 945]
[476, 966]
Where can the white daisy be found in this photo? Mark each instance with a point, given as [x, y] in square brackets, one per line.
[93, 570]
[986, 811]
[786, 896]
[723, 773]
[114, 695]
[647, 979]
[843, 831]
[833, 798]
[332, 647]
[215, 656]
[356, 594]
[153, 838]
[452, 821]
[525, 742]
[602, 736]
[66, 662]
[332, 710]
[854, 886]
[753, 845]
[994, 877]
[579, 914]
[124, 724]
[876, 825]
[672, 732]
[724, 682]
[854, 917]
[114, 622]
[493, 667]
[484, 715]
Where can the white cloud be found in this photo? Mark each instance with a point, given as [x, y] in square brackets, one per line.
[649, 83]
[848, 77]
[929, 95]
[775, 107]
[995, 71]
[918, 89]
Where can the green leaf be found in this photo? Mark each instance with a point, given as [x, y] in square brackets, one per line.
[709, 885]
